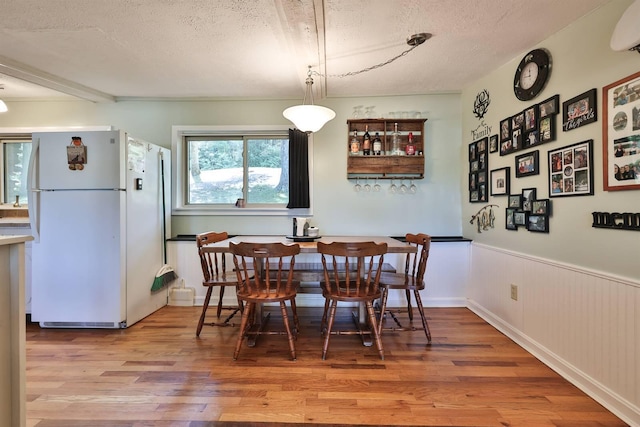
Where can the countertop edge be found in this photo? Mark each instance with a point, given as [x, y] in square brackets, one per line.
[434, 239]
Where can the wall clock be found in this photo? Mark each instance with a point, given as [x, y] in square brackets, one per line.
[532, 74]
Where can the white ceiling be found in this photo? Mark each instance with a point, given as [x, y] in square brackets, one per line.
[107, 50]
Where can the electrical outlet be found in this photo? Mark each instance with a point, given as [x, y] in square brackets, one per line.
[514, 292]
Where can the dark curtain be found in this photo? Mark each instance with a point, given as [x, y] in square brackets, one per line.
[298, 169]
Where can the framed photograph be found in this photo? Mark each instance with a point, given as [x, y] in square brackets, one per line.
[520, 218]
[482, 161]
[517, 139]
[500, 181]
[473, 196]
[473, 181]
[531, 138]
[549, 107]
[579, 111]
[482, 192]
[482, 145]
[517, 121]
[510, 221]
[621, 134]
[515, 201]
[473, 152]
[493, 143]
[571, 170]
[547, 129]
[528, 196]
[505, 129]
[474, 166]
[482, 177]
[531, 118]
[541, 207]
[538, 223]
[527, 164]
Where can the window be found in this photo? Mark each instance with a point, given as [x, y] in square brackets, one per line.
[225, 169]
[15, 163]
[216, 166]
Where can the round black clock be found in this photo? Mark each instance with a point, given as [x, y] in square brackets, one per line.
[532, 74]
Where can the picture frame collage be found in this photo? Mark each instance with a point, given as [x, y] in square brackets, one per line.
[571, 170]
[525, 210]
[478, 170]
[533, 126]
[621, 134]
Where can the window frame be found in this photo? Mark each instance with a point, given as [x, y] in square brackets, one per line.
[180, 171]
[5, 139]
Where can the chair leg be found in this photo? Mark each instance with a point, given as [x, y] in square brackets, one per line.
[409, 309]
[207, 298]
[287, 327]
[323, 322]
[220, 301]
[296, 322]
[332, 316]
[375, 329]
[244, 326]
[425, 325]
[383, 308]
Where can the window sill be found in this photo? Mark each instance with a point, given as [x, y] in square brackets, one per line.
[233, 211]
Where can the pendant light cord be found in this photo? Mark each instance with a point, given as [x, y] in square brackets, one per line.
[414, 41]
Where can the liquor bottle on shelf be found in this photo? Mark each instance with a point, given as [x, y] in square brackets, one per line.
[410, 148]
[354, 146]
[377, 145]
[366, 142]
[395, 141]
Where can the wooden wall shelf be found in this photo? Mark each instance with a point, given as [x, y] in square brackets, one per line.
[387, 166]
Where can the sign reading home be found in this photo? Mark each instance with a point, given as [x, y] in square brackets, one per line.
[616, 220]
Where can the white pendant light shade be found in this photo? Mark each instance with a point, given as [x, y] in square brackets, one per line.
[309, 118]
[3, 107]
[626, 35]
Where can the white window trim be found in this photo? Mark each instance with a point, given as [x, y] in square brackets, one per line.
[178, 161]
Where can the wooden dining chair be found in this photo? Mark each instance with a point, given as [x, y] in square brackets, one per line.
[352, 273]
[273, 281]
[412, 280]
[215, 275]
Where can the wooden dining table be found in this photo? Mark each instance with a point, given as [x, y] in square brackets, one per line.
[310, 246]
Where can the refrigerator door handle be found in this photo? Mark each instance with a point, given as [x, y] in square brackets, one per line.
[34, 193]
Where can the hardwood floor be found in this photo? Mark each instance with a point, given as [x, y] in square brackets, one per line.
[157, 373]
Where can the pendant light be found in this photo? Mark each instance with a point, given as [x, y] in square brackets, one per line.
[308, 117]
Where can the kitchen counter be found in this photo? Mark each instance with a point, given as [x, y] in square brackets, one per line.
[13, 333]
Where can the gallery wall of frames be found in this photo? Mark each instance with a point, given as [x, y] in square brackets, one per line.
[570, 168]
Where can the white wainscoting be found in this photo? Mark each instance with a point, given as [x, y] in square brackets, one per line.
[446, 276]
[583, 324]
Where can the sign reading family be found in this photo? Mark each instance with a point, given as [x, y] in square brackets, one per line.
[579, 111]
[480, 107]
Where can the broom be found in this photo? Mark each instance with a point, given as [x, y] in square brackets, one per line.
[166, 274]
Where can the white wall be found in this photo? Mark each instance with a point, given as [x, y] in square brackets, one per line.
[435, 209]
[582, 60]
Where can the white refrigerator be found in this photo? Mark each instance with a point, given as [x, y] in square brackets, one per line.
[99, 222]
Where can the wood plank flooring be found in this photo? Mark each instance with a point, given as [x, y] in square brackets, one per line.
[157, 373]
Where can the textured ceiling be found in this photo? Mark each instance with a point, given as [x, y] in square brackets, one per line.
[260, 49]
